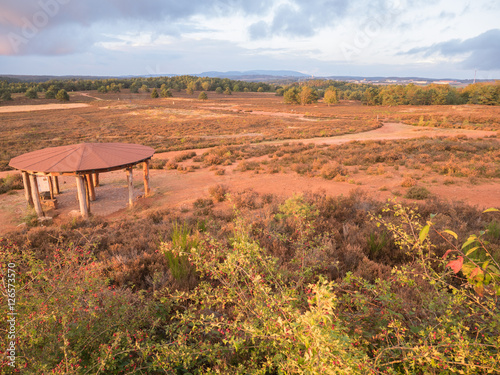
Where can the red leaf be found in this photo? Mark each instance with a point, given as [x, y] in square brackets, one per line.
[456, 265]
[475, 271]
[479, 288]
[446, 254]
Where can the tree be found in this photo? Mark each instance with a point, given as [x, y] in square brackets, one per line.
[166, 93]
[31, 93]
[205, 85]
[62, 96]
[6, 95]
[102, 89]
[203, 96]
[191, 87]
[260, 89]
[154, 94]
[144, 88]
[227, 91]
[291, 96]
[218, 90]
[307, 95]
[331, 96]
[51, 92]
[115, 88]
[236, 88]
[134, 88]
[280, 92]
[370, 96]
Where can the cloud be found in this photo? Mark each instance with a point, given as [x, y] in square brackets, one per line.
[481, 52]
[26, 26]
[299, 18]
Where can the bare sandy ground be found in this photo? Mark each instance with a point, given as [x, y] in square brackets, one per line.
[40, 107]
[172, 188]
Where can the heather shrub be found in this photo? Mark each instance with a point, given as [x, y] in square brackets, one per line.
[69, 315]
[417, 192]
[218, 192]
[332, 170]
[184, 156]
[408, 182]
[11, 182]
[157, 163]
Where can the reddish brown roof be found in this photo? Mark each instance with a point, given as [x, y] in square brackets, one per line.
[82, 157]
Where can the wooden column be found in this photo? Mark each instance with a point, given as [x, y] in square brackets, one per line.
[130, 182]
[51, 187]
[27, 188]
[82, 196]
[90, 186]
[87, 193]
[95, 179]
[55, 182]
[146, 178]
[36, 196]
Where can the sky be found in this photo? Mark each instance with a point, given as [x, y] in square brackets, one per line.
[405, 38]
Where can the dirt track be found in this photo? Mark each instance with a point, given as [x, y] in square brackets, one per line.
[40, 107]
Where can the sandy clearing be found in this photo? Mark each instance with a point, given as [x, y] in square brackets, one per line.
[176, 189]
[388, 131]
[41, 107]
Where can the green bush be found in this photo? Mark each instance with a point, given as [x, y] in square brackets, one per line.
[182, 241]
[11, 182]
[31, 93]
[62, 96]
[70, 319]
[252, 296]
[50, 94]
[6, 95]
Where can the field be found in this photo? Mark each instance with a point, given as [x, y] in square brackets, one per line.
[253, 140]
[249, 191]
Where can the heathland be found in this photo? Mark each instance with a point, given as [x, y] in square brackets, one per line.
[291, 229]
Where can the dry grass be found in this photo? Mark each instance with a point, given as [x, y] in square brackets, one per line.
[169, 124]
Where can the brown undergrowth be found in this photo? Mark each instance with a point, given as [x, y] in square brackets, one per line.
[344, 239]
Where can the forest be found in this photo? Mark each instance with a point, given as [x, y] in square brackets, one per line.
[369, 94]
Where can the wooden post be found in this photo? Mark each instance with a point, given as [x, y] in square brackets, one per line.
[82, 196]
[87, 193]
[90, 186]
[130, 182]
[27, 189]
[146, 178]
[95, 178]
[51, 187]
[55, 181]
[36, 196]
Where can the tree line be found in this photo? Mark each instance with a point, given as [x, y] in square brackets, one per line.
[299, 92]
[177, 83]
[411, 94]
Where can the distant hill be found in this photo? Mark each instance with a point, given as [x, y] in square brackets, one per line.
[38, 79]
[254, 74]
[275, 76]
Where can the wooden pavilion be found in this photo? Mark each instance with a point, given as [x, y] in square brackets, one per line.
[85, 161]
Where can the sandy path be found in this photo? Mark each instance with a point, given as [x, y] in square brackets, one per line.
[40, 107]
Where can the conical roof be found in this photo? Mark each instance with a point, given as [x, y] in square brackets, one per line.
[82, 157]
